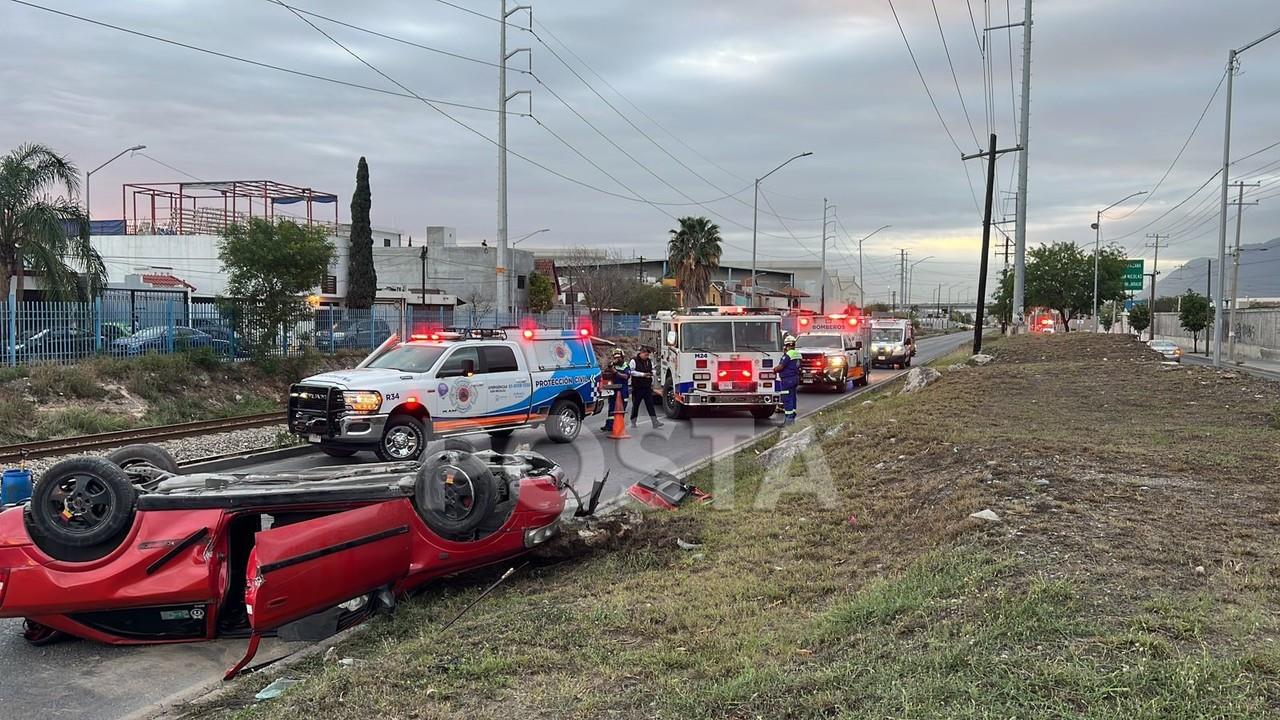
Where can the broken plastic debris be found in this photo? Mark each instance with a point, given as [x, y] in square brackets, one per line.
[687, 545]
[276, 688]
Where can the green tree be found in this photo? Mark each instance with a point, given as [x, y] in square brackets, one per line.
[1140, 317]
[41, 230]
[1060, 277]
[693, 252]
[273, 265]
[645, 299]
[1195, 315]
[541, 293]
[1001, 306]
[362, 277]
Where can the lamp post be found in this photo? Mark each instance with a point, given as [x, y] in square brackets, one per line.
[910, 270]
[88, 213]
[511, 257]
[1097, 249]
[862, 300]
[755, 220]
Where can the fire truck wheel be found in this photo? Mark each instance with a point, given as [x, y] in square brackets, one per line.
[673, 408]
[763, 413]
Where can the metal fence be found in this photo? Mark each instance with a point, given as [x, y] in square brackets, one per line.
[137, 323]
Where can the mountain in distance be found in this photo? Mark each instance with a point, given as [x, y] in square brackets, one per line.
[1259, 273]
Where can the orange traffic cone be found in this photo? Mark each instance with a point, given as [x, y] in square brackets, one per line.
[619, 429]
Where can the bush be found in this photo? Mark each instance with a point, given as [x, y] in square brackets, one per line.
[17, 416]
[79, 421]
[9, 374]
[76, 381]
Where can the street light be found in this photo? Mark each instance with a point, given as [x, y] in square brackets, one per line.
[910, 270]
[755, 220]
[862, 301]
[1235, 294]
[511, 256]
[947, 324]
[88, 213]
[1097, 249]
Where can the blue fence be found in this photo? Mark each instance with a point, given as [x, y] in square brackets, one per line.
[132, 324]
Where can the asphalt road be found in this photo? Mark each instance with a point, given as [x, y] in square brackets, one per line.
[89, 681]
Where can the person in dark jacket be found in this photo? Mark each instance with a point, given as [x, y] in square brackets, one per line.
[616, 374]
[641, 370]
[788, 370]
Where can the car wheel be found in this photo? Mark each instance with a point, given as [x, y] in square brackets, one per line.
[82, 502]
[402, 439]
[673, 408]
[457, 444]
[338, 452]
[146, 465]
[454, 492]
[763, 413]
[565, 421]
[843, 386]
[39, 635]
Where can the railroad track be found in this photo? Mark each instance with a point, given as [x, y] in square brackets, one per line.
[71, 445]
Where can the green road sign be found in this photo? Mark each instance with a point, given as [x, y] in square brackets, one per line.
[1133, 274]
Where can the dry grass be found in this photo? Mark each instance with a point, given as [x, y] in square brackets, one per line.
[1135, 574]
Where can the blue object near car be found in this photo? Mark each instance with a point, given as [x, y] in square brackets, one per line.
[15, 486]
[168, 339]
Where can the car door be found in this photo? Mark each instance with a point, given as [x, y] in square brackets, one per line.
[308, 566]
[507, 387]
[460, 390]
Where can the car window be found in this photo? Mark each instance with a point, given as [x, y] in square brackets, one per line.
[408, 358]
[499, 359]
[453, 365]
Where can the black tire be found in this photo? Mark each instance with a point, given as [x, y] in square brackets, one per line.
[403, 439]
[763, 413]
[673, 408]
[454, 492]
[456, 444]
[140, 463]
[99, 497]
[564, 423]
[337, 452]
[843, 386]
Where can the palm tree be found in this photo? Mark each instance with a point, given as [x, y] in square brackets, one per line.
[40, 230]
[693, 252]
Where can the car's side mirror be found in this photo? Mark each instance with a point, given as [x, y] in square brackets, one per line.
[857, 344]
[671, 337]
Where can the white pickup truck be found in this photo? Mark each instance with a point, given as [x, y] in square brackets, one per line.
[440, 384]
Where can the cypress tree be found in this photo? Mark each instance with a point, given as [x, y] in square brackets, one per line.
[362, 278]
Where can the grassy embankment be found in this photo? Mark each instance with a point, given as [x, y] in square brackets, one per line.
[105, 394]
[1135, 572]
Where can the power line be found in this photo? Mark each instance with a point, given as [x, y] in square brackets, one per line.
[954, 79]
[393, 38]
[248, 61]
[919, 73]
[471, 12]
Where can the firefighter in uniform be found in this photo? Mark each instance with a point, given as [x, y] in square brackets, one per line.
[619, 374]
[788, 370]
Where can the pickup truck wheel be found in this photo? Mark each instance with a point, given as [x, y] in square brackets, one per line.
[565, 421]
[82, 503]
[146, 465]
[403, 438]
[454, 492]
[338, 452]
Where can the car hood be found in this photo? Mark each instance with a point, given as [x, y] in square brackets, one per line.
[350, 379]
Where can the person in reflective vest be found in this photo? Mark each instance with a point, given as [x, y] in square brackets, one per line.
[788, 370]
[616, 373]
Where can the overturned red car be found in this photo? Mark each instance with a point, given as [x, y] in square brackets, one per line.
[130, 552]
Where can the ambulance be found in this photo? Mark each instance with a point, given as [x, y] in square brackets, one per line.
[717, 358]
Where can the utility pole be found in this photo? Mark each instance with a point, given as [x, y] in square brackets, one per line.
[991, 155]
[1156, 243]
[502, 297]
[822, 293]
[1233, 57]
[893, 300]
[902, 277]
[640, 271]
[1020, 229]
[423, 257]
[1235, 270]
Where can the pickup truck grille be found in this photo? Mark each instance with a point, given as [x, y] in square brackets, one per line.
[813, 362]
[314, 398]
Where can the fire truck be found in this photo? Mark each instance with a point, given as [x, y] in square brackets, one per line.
[716, 358]
[833, 350]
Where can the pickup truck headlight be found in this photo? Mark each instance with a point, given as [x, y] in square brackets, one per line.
[362, 401]
[837, 361]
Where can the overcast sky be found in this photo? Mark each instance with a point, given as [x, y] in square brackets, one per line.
[737, 87]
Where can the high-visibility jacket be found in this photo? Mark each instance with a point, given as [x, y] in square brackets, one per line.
[788, 370]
